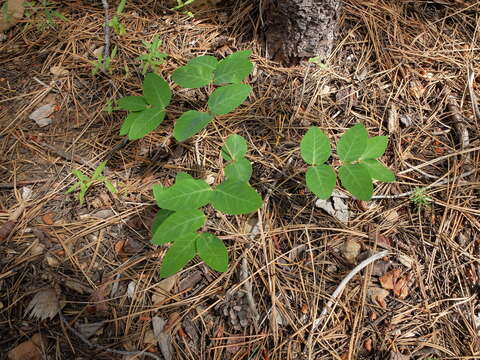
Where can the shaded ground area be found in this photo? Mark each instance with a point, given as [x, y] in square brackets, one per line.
[404, 69]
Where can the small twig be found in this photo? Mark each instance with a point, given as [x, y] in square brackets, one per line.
[104, 348]
[473, 97]
[66, 156]
[4, 186]
[248, 289]
[106, 46]
[344, 282]
[115, 149]
[458, 122]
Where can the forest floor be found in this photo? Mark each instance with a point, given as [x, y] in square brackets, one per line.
[406, 69]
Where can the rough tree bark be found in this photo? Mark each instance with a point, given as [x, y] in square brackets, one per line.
[301, 28]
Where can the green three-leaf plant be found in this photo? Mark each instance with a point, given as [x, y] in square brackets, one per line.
[180, 217]
[358, 154]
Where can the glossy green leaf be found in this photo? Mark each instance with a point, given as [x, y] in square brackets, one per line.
[234, 198]
[235, 148]
[193, 76]
[315, 147]
[157, 190]
[178, 224]
[212, 251]
[353, 143]
[234, 68]
[179, 254]
[184, 194]
[227, 98]
[190, 123]
[378, 171]
[159, 218]
[146, 122]
[356, 179]
[321, 180]
[207, 61]
[127, 123]
[376, 146]
[239, 170]
[156, 90]
[132, 103]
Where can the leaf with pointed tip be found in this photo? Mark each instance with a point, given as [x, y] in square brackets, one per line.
[227, 98]
[184, 194]
[353, 143]
[179, 254]
[193, 76]
[156, 91]
[207, 61]
[132, 103]
[378, 171]
[212, 251]
[178, 224]
[235, 148]
[146, 122]
[315, 147]
[190, 123]
[234, 68]
[321, 180]
[127, 123]
[240, 170]
[376, 146]
[356, 179]
[234, 198]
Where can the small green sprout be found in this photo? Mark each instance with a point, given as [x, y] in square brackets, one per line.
[84, 182]
[153, 57]
[115, 23]
[181, 4]
[419, 198]
[104, 64]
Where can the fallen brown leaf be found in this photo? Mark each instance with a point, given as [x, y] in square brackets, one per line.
[44, 305]
[389, 279]
[32, 349]
[6, 229]
[163, 288]
[378, 296]
[48, 219]
[98, 298]
[368, 344]
[351, 249]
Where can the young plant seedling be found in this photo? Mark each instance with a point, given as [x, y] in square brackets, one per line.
[104, 64]
[115, 23]
[84, 182]
[180, 217]
[48, 13]
[206, 70]
[358, 154]
[419, 198]
[181, 4]
[146, 112]
[153, 57]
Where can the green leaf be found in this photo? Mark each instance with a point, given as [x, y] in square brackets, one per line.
[73, 188]
[227, 98]
[98, 171]
[127, 123]
[80, 175]
[356, 179]
[156, 91]
[239, 170]
[178, 224]
[184, 194]
[235, 147]
[110, 186]
[235, 198]
[234, 68]
[183, 176]
[321, 180]
[157, 190]
[193, 76]
[315, 147]
[146, 122]
[132, 103]
[178, 255]
[376, 146]
[378, 171]
[207, 61]
[190, 123]
[159, 218]
[213, 251]
[353, 143]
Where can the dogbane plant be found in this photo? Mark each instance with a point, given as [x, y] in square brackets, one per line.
[180, 217]
[358, 154]
[147, 112]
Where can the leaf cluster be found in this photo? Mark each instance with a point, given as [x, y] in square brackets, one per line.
[148, 111]
[115, 23]
[153, 57]
[358, 154]
[84, 182]
[180, 216]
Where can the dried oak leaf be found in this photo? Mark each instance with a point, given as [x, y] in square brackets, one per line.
[392, 280]
[32, 349]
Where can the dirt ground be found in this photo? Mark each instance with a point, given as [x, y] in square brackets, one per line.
[406, 69]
